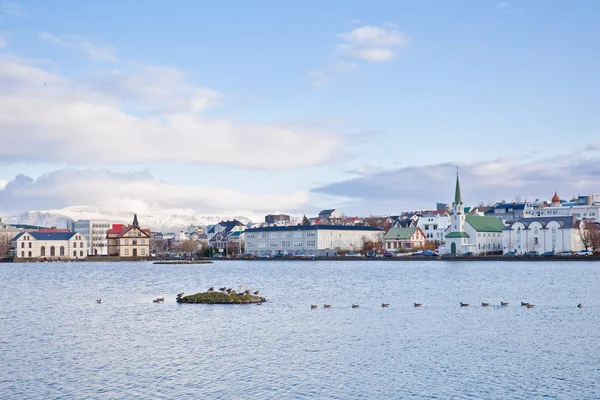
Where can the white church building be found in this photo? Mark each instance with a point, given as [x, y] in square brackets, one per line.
[543, 234]
[472, 233]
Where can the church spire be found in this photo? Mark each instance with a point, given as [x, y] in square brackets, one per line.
[135, 221]
[457, 195]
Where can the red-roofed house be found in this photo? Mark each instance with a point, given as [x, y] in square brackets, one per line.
[128, 240]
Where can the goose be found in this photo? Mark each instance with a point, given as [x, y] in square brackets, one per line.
[503, 303]
[524, 304]
[99, 301]
[229, 290]
[485, 304]
[464, 304]
[385, 304]
[211, 289]
[161, 299]
[313, 306]
[246, 292]
[354, 305]
[418, 304]
[530, 305]
[223, 289]
[156, 300]
[256, 292]
[579, 305]
[326, 305]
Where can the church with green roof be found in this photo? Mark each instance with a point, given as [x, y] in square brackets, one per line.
[472, 233]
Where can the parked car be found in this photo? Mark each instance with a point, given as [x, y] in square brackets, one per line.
[248, 256]
[279, 255]
[584, 253]
[218, 255]
[353, 254]
[510, 254]
[370, 254]
[548, 254]
[430, 253]
[388, 254]
[565, 254]
[532, 253]
[417, 252]
[468, 254]
[264, 256]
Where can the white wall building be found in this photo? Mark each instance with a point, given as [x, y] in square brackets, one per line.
[318, 240]
[433, 225]
[543, 234]
[50, 245]
[95, 232]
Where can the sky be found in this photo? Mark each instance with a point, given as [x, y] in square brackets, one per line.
[270, 106]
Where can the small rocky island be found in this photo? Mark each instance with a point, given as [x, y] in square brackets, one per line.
[224, 296]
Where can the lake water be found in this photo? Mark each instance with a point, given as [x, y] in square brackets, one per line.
[56, 342]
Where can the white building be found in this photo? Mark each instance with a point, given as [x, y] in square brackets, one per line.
[543, 234]
[95, 232]
[319, 240]
[433, 225]
[45, 245]
[472, 233]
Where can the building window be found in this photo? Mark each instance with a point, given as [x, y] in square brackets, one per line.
[126, 241]
[126, 252]
[263, 235]
[75, 244]
[535, 241]
[22, 245]
[142, 241]
[23, 254]
[62, 251]
[143, 252]
[81, 253]
[52, 251]
[29, 254]
[81, 244]
[29, 244]
[74, 253]
[43, 251]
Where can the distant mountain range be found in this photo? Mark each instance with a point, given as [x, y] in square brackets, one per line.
[154, 219]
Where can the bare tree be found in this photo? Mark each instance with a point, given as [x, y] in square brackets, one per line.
[372, 245]
[157, 245]
[4, 245]
[188, 246]
[590, 234]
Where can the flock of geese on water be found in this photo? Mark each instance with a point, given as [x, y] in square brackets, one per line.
[502, 304]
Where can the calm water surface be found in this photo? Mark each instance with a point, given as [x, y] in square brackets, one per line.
[57, 343]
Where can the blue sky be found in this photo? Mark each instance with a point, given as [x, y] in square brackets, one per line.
[297, 106]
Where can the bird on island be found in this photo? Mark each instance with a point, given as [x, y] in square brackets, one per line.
[485, 304]
[464, 304]
[99, 301]
[223, 289]
[579, 305]
[529, 305]
[256, 292]
[326, 305]
[246, 291]
[244, 294]
[385, 304]
[156, 300]
[211, 289]
[524, 304]
[503, 303]
[418, 304]
[313, 306]
[161, 299]
[354, 305]
[229, 290]
[232, 291]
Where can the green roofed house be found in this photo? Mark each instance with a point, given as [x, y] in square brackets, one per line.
[472, 233]
[404, 238]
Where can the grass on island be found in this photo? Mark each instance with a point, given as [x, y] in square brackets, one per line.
[221, 298]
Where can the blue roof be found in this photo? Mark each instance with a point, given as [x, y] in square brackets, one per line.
[48, 235]
[313, 227]
[514, 206]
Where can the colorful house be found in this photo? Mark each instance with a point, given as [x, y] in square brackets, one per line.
[404, 238]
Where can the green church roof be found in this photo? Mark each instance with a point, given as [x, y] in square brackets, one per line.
[457, 195]
[485, 224]
[457, 235]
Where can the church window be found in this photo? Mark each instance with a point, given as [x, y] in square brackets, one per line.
[29, 244]
[81, 253]
[52, 251]
[22, 245]
[22, 254]
[29, 254]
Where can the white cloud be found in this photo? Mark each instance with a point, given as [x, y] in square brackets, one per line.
[373, 43]
[92, 49]
[11, 9]
[486, 181]
[101, 188]
[57, 120]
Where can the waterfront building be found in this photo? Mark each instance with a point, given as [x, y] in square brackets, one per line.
[511, 212]
[50, 245]
[434, 224]
[404, 238]
[318, 240]
[581, 208]
[543, 234]
[95, 232]
[472, 233]
[128, 241]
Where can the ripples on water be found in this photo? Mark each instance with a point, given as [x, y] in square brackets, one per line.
[56, 342]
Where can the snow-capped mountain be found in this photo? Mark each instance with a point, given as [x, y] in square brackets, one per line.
[149, 217]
